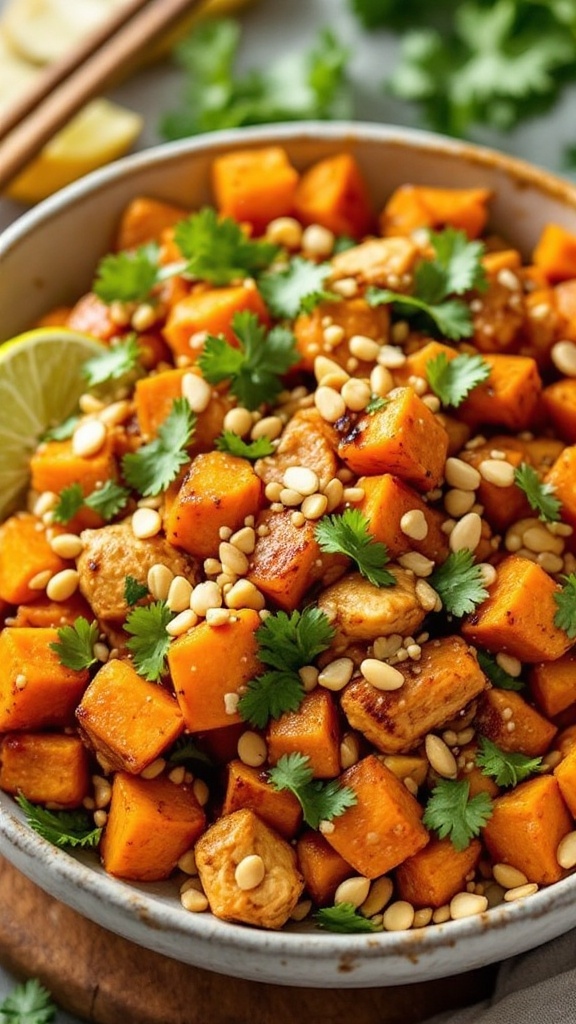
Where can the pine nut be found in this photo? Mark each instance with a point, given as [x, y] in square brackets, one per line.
[285, 231]
[380, 675]
[159, 579]
[233, 560]
[329, 404]
[101, 652]
[250, 872]
[273, 490]
[337, 674]
[466, 533]
[417, 563]
[66, 545]
[414, 524]
[363, 347]
[302, 479]
[194, 901]
[520, 892]
[440, 756]
[269, 426]
[154, 769]
[291, 498]
[88, 438]
[187, 863]
[196, 391]
[488, 573]
[146, 522]
[181, 623]
[539, 539]
[143, 317]
[298, 519]
[314, 506]
[45, 503]
[380, 894]
[347, 287]
[422, 917]
[441, 914]
[179, 594]
[563, 355]
[309, 676]
[244, 539]
[391, 357]
[356, 393]
[426, 595]
[467, 904]
[219, 617]
[239, 421]
[461, 474]
[116, 413]
[387, 646]
[334, 492]
[329, 368]
[508, 876]
[102, 791]
[457, 502]
[497, 472]
[510, 664]
[317, 240]
[301, 910]
[62, 585]
[352, 890]
[205, 596]
[381, 381]
[333, 333]
[566, 852]
[398, 917]
[349, 750]
[549, 562]
[252, 749]
[244, 594]
[201, 792]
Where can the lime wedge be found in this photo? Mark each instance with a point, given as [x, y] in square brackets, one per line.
[40, 384]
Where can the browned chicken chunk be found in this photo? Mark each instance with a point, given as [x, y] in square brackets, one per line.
[358, 610]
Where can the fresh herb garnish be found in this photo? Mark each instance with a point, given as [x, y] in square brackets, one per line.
[540, 495]
[496, 674]
[70, 501]
[128, 276]
[375, 404]
[299, 287]
[217, 250]
[134, 591]
[344, 918]
[458, 582]
[108, 500]
[451, 812]
[75, 644]
[348, 534]
[452, 380]
[320, 801]
[149, 641]
[28, 1003]
[285, 643]
[186, 751]
[455, 269]
[230, 442]
[152, 468]
[114, 363]
[255, 368]
[505, 767]
[565, 617]
[61, 828]
[62, 431]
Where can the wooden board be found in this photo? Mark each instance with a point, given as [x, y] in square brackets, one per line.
[108, 980]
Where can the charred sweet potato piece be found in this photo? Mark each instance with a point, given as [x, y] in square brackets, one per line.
[47, 768]
[561, 476]
[154, 396]
[24, 552]
[254, 185]
[502, 505]
[55, 466]
[36, 690]
[386, 499]
[249, 787]
[510, 396]
[530, 734]
[435, 874]
[553, 684]
[334, 193]
[313, 730]
[322, 866]
[353, 316]
[210, 310]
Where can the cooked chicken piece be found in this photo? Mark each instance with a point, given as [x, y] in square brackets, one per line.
[220, 854]
[110, 555]
[358, 610]
[444, 680]
[378, 261]
[307, 441]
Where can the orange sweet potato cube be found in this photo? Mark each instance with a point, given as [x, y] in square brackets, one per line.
[354, 316]
[91, 315]
[284, 562]
[254, 186]
[54, 466]
[211, 310]
[334, 193]
[526, 826]
[249, 787]
[151, 823]
[565, 774]
[128, 721]
[144, 220]
[386, 499]
[211, 662]
[559, 401]
[555, 253]
[154, 396]
[421, 206]
[518, 616]
[383, 827]
[531, 734]
[562, 476]
[510, 397]
[24, 552]
[47, 768]
[322, 867]
[404, 438]
[553, 684]
[43, 612]
[502, 505]
[36, 690]
[435, 874]
[313, 730]
[218, 490]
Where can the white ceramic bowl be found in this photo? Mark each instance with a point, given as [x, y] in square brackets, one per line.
[48, 258]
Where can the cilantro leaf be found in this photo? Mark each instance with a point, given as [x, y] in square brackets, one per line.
[320, 801]
[28, 1003]
[230, 442]
[505, 767]
[186, 751]
[149, 641]
[452, 380]
[114, 363]
[108, 500]
[343, 918]
[299, 286]
[128, 276]
[134, 591]
[218, 250]
[270, 695]
[75, 645]
[62, 431]
[450, 812]
[348, 534]
[153, 467]
[255, 368]
[565, 617]
[458, 582]
[376, 403]
[61, 828]
[451, 318]
[497, 676]
[292, 641]
[540, 495]
[70, 501]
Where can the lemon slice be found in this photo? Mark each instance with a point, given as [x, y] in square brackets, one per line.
[40, 384]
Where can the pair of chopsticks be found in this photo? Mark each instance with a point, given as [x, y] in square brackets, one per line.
[61, 89]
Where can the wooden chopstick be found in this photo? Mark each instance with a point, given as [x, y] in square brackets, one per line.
[64, 88]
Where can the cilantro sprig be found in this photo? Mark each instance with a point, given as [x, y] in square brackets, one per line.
[565, 617]
[114, 362]
[230, 442]
[134, 591]
[28, 1003]
[149, 641]
[75, 644]
[343, 918]
[320, 801]
[458, 582]
[255, 368]
[452, 380]
[298, 287]
[540, 495]
[450, 811]
[286, 643]
[128, 276]
[507, 768]
[496, 674]
[107, 501]
[61, 828]
[348, 534]
[61, 431]
[152, 468]
[216, 249]
[455, 269]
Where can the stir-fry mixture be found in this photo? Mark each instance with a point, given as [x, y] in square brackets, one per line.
[289, 615]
